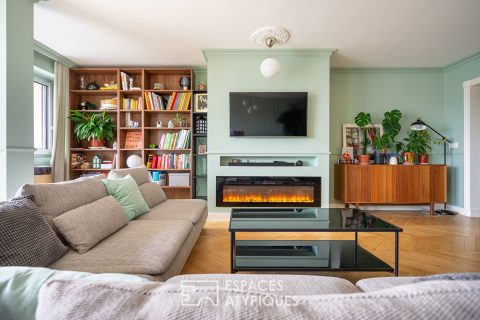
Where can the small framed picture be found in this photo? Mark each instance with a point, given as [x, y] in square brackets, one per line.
[202, 148]
[201, 102]
[353, 136]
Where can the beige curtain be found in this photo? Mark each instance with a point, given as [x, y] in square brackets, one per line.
[60, 155]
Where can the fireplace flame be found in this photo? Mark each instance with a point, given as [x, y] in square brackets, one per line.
[267, 198]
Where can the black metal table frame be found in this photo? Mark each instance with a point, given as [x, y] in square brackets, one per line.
[379, 230]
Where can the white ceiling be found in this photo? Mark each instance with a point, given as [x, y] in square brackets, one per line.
[367, 33]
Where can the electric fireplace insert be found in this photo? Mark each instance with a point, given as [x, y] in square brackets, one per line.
[268, 191]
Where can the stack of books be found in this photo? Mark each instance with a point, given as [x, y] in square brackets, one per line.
[176, 101]
[132, 104]
[175, 140]
[168, 161]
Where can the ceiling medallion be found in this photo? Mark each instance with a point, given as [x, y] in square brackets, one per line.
[270, 36]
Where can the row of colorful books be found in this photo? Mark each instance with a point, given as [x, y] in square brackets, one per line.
[175, 140]
[168, 161]
[132, 104]
[176, 101]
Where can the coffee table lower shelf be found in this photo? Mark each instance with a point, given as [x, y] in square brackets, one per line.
[304, 255]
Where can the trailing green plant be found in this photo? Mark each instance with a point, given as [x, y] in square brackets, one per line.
[418, 142]
[89, 126]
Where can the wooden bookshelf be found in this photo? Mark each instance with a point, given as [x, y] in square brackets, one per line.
[144, 79]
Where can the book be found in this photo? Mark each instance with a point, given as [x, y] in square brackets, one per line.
[133, 140]
[149, 161]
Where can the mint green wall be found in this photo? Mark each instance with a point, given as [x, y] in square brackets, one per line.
[200, 75]
[43, 62]
[238, 70]
[16, 95]
[415, 92]
[454, 76]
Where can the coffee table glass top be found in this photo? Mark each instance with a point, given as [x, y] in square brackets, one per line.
[308, 219]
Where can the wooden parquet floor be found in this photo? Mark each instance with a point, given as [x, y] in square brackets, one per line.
[428, 245]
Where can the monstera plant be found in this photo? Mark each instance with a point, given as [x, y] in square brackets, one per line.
[391, 127]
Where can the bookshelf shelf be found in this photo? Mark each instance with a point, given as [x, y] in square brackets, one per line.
[165, 128]
[145, 79]
[95, 92]
[173, 170]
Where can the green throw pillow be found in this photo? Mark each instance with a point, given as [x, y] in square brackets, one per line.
[126, 191]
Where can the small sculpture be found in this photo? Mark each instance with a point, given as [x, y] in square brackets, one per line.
[202, 86]
[159, 123]
[158, 86]
[185, 82]
[130, 84]
[170, 124]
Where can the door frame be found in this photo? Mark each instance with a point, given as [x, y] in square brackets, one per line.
[467, 85]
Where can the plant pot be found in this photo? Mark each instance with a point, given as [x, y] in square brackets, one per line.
[408, 157]
[423, 159]
[363, 159]
[379, 158]
[95, 143]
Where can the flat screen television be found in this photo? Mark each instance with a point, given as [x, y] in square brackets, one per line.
[268, 114]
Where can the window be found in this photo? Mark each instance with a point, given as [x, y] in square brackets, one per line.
[43, 115]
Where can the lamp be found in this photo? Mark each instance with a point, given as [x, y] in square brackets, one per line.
[421, 125]
[269, 36]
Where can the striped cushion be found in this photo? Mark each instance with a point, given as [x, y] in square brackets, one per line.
[26, 239]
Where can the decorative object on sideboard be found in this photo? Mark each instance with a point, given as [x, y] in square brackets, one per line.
[185, 82]
[201, 102]
[134, 161]
[94, 127]
[420, 125]
[417, 144]
[270, 36]
[93, 86]
[354, 137]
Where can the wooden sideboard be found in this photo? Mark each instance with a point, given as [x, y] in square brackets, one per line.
[391, 184]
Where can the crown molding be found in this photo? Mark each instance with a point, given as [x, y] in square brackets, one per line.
[462, 61]
[52, 54]
[283, 52]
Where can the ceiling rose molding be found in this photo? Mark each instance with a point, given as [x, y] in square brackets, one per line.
[261, 36]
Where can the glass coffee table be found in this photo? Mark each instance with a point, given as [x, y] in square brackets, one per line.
[307, 255]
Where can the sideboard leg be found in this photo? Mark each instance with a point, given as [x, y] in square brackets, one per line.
[432, 209]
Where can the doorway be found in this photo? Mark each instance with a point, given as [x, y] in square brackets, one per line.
[471, 148]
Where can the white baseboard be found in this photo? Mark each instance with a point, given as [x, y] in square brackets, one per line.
[465, 212]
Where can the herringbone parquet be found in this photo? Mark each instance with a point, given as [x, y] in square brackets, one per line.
[428, 245]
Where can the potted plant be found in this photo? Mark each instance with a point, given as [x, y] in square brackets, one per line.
[96, 128]
[364, 157]
[417, 143]
[391, 126]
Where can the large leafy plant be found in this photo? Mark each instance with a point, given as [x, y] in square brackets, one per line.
[391, 126]
[89, 126]
[418, 142]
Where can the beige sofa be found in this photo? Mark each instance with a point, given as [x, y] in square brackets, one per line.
[157, 243]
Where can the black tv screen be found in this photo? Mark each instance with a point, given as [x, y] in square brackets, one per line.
[268, 114]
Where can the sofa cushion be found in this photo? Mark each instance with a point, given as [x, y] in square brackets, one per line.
[54, 199]
[76, 299]
[140, 174]
[141, 247]
[374, 284]
[19, 287]
[126, 192]
[87, 225]
[283, 284]
[152, 193]
[26, 239]
[177, 209]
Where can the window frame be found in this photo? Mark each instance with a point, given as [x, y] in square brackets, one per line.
[50, 113]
